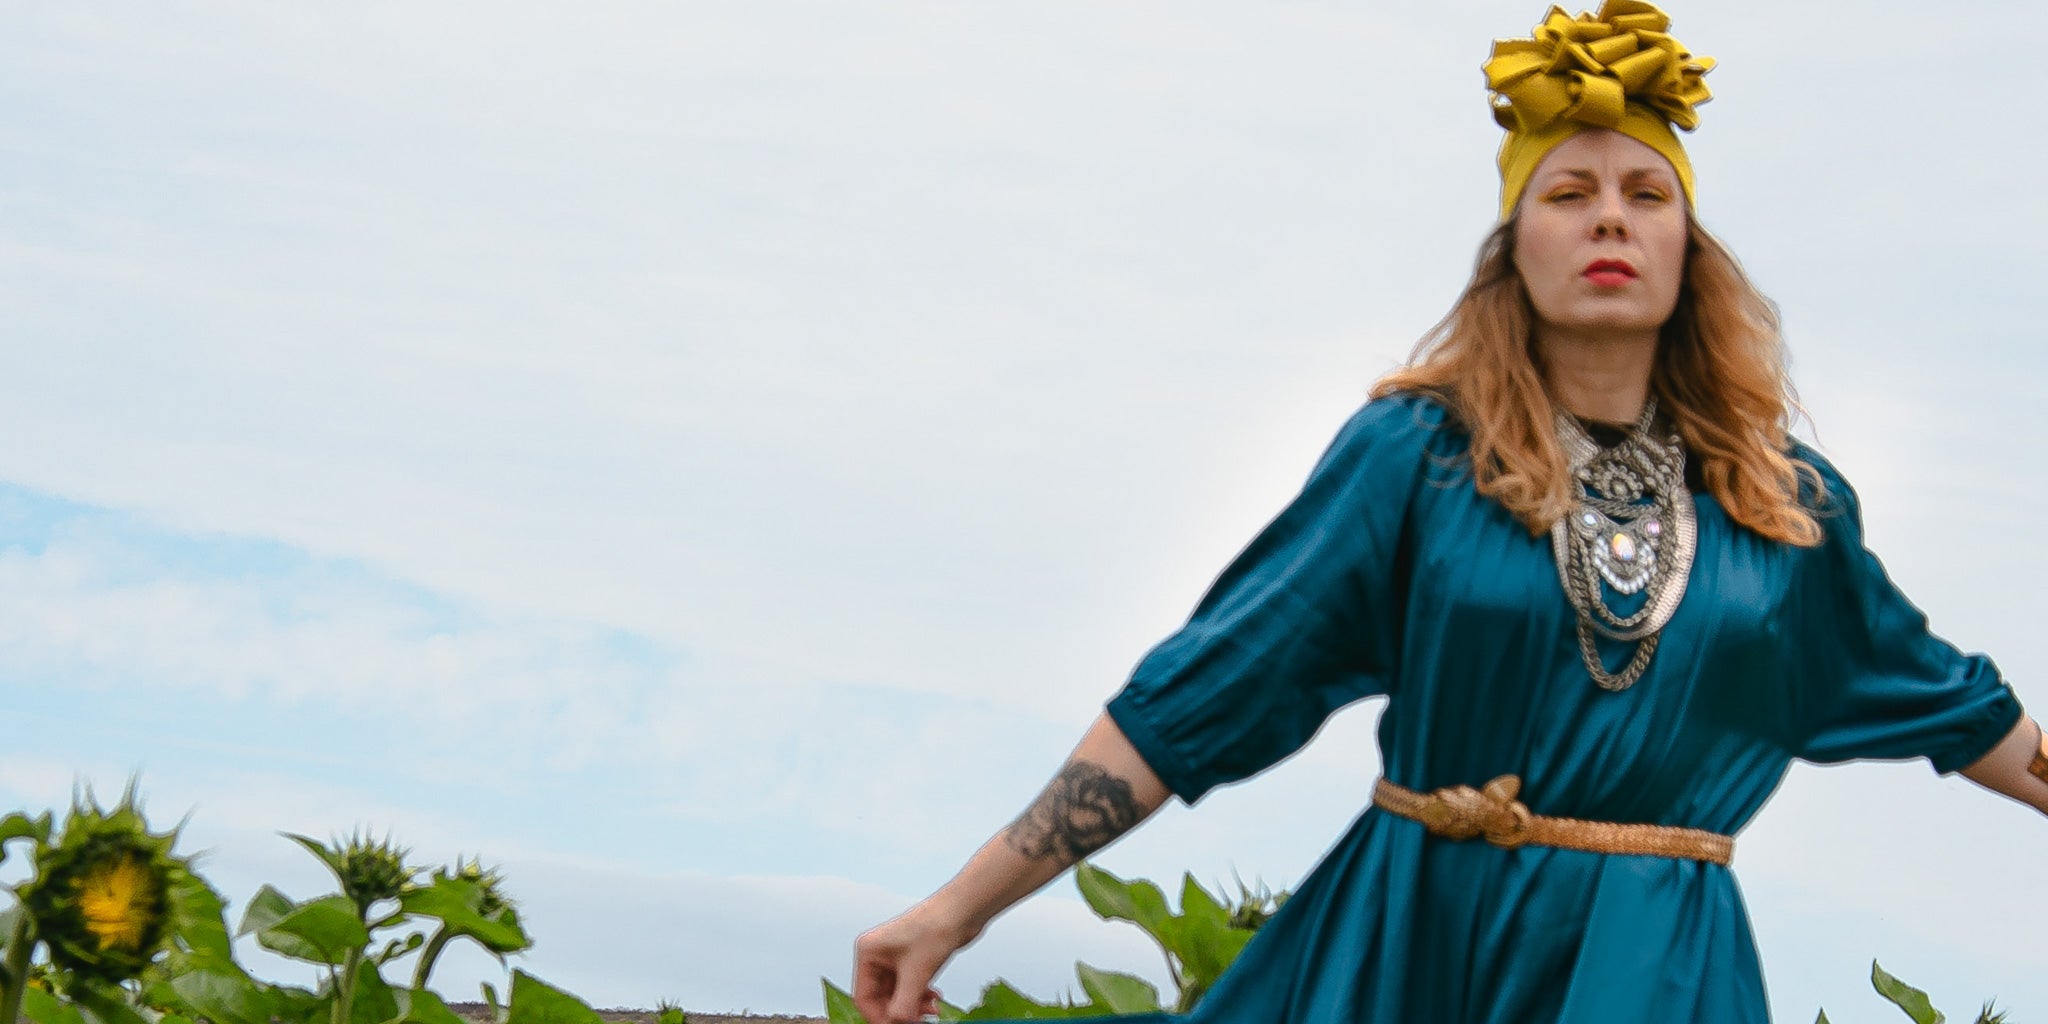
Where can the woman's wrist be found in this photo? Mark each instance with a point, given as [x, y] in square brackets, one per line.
[953, 913]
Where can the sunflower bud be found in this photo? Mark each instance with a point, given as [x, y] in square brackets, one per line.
[1255, 908]
[102, 892]
[491, 898]
[371, 871]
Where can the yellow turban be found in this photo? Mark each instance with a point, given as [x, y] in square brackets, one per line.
[1617, 69]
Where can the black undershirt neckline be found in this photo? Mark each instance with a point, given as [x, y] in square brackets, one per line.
[1607, 435]
[1604, 433]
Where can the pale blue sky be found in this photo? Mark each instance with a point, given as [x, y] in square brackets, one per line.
[715, 458]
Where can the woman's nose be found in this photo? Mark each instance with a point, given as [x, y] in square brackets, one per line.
[1610, 217]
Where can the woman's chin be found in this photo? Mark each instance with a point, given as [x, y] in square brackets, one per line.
[1615, 324]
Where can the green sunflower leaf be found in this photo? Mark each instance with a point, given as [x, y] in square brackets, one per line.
[1198, 906]
[1201, 938]
[1113, 899]
[537, 1002]
[1001, 1001]
[839, 1008]
[321, 931]
[224, 997]
[104, 1003]
[1904, 996]
[264, 909]
[457, 903]
[420, 1006]
[199, 919]
[21, 826]
[299, 1004]
[40, 1007]
[327, 855]
[400, 947]
[375, 1002]
[1118, 992]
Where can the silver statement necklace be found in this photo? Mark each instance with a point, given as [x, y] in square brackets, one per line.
[1632, 529]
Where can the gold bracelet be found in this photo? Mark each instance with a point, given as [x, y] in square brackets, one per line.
[2039, 769]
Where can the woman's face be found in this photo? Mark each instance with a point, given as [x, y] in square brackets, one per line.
[1600, 236]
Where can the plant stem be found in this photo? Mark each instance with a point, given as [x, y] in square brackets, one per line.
[345, 997]
[427, 957]
[20, 948]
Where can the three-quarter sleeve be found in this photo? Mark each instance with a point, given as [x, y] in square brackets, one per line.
[1304, 621]
[1875, 682]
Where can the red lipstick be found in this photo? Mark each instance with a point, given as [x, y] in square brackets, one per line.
[1609, 273]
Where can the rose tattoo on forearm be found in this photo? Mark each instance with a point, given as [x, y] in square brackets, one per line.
[1081, 811]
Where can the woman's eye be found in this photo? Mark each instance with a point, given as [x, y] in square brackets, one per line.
[1558, 197]
[1652, 195]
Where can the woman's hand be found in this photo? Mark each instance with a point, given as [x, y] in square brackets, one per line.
[1104, 790]
[895, 961]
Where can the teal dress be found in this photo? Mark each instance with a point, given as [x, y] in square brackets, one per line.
[1391, 575]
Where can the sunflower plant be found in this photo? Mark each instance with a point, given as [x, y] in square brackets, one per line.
[1913, 1002]
[113, 927]
[386, 911]
[106, 903]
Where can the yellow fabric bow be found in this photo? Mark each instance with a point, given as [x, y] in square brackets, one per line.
[1588, 68]
[1618, 69]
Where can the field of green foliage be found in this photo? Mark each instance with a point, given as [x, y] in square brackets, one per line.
[113, 926]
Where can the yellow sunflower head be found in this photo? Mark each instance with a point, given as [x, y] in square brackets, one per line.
[103, 892]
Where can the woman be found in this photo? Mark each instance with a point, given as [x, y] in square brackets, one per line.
[1609, 598]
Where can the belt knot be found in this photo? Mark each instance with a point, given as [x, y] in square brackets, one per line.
[1461, 812]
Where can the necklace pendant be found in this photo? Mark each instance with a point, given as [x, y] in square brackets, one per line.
[1624, 547]
[1633, 531]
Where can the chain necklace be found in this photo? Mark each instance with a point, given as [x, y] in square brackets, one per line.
[1632, 529]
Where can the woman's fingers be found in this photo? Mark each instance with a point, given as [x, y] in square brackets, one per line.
[914, 997]
[874, 982]
[892, 973]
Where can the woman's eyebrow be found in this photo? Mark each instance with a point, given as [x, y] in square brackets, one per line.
[1657, 175]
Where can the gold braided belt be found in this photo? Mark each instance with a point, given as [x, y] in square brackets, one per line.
[1461, 812]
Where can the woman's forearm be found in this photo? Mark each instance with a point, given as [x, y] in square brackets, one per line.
[1104, 790]
[2005, 769]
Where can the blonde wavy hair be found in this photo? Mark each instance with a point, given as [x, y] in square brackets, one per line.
[1719, 374]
